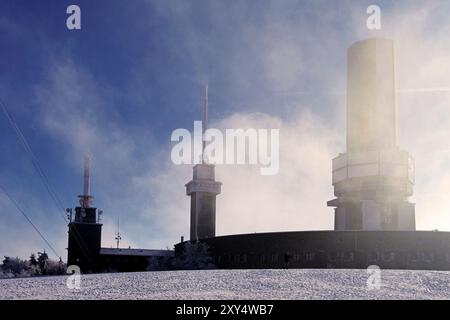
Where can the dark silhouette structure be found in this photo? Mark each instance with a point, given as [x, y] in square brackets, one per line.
[84, 244]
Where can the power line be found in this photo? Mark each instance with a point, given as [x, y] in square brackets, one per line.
[34, 161]
[29, 220]
[20, 136]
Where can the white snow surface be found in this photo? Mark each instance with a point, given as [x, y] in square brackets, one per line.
[235, 284]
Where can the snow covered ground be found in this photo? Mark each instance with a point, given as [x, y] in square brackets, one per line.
[235, 284]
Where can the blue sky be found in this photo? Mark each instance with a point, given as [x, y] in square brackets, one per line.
[134, 73]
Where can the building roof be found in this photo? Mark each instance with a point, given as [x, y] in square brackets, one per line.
[136, 252]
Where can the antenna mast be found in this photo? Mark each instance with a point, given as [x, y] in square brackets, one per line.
[205, 120]
[118, 236]
[86, 198]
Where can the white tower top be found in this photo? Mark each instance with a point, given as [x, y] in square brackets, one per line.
[371, 96]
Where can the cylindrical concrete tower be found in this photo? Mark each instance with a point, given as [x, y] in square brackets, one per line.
[203, 190]
[371, 96]
[373, 180]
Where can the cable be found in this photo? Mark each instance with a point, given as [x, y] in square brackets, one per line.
[58, 204]
[29, 220]
[34, 161]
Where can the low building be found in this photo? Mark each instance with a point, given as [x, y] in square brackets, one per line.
[126, 260]
[415, 250]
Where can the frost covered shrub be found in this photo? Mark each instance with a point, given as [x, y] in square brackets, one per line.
[5, 275]
[195, 256]
[16, 267]
[55, 268]
[46, 266]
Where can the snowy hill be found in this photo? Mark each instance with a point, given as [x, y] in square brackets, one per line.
[235, 284]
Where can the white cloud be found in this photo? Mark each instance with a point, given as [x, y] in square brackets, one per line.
[294, 199]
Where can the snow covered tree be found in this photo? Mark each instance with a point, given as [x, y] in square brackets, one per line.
[33, 261]
[16, 266]
[55, 267]
[43, 262]
[195, 256]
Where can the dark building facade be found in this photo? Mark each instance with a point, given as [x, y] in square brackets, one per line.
[85, 251]
[84, 248]
[129, 260]
[85, 236]
[415, 250]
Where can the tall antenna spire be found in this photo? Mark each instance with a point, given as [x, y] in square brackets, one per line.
[87, 173]
[118, 236]
[205, 119]
[86, 198]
